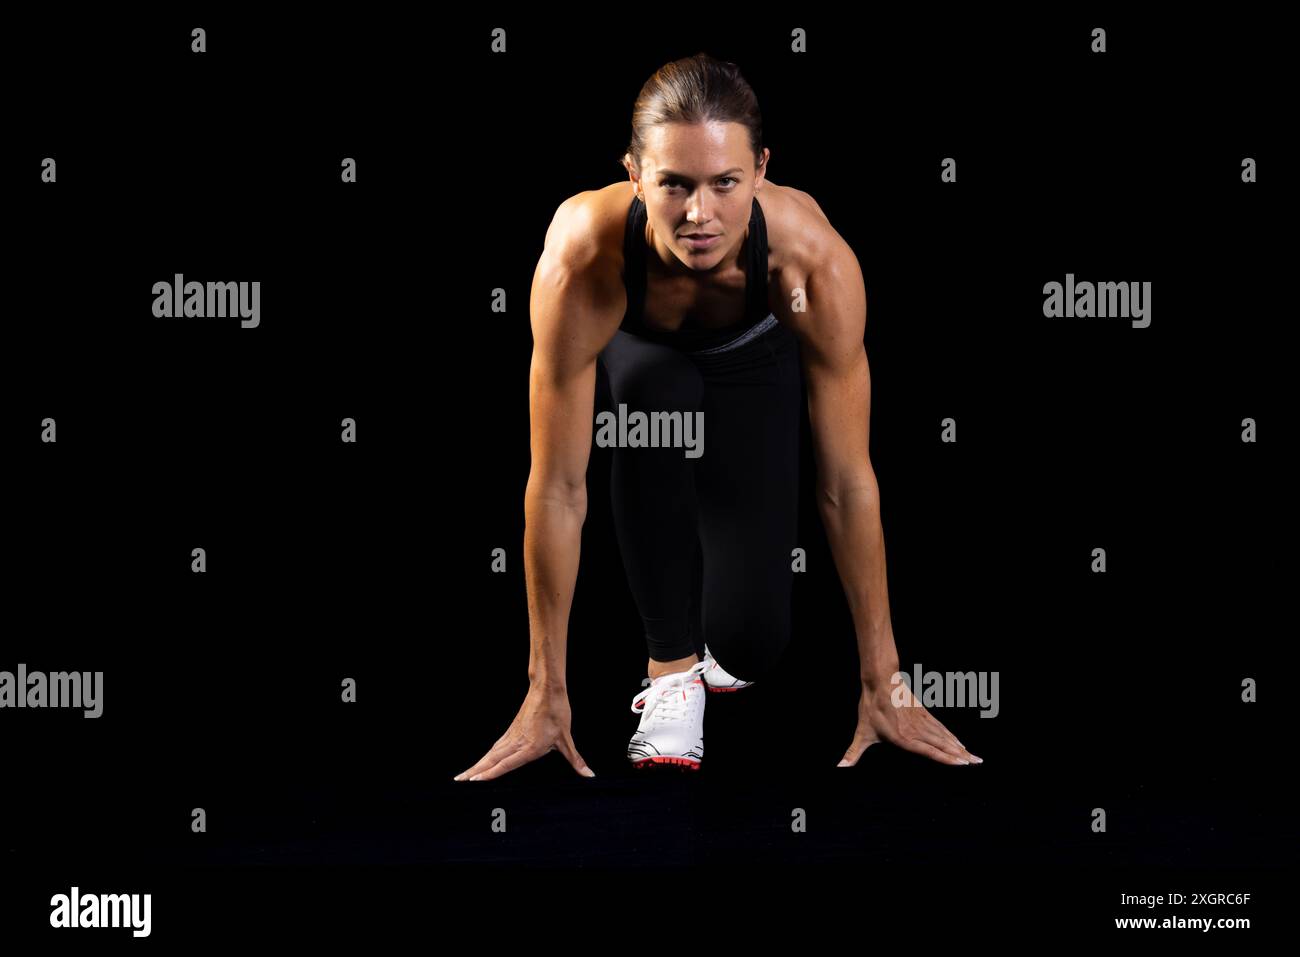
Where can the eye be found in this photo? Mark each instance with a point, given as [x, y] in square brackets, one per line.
[674, 184]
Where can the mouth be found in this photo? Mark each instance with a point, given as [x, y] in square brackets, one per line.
[701, 240]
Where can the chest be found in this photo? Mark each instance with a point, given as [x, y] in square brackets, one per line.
[672, 300]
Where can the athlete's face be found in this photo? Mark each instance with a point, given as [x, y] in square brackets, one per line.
[699, 178]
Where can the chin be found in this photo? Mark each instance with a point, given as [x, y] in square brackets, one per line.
[689, 256]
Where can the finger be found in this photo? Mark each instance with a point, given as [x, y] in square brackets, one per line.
[957, 743]
[855, 751]
[930, 751]
[497, 752]
[956, 747]
[947, 735]
[951, 744]
[570, 751]
[505, 765]
[950, 741]
[481, 764]
[944, 742]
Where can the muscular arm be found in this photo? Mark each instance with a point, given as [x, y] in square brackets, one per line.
[575, 307]
[839, 407]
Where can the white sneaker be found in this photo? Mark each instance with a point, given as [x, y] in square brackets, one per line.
[672, 721]
[717, 679]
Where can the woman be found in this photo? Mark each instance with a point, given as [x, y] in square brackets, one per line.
[702, 288]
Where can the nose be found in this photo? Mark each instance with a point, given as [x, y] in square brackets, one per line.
[698, 212]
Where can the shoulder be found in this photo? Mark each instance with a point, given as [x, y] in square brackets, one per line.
[577, 298]
[810, 260]
[586, 231]
[799, 233]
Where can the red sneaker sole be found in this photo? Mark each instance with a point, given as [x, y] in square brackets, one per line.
[684, 763]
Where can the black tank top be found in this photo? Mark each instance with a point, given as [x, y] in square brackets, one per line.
[692, 335]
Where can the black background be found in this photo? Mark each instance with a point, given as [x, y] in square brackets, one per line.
[372, 560]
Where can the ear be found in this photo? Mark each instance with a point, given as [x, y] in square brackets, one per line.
[632, 174]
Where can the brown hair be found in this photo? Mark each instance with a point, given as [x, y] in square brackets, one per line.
[695, 89]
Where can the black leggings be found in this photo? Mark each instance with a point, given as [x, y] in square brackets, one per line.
[707, 541]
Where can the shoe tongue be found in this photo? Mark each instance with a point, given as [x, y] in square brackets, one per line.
[670, 678]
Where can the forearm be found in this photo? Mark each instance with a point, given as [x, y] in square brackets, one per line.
[552, 543]
[857, 541]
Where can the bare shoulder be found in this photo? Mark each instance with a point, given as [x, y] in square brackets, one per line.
[809, 259]
[587, 228]
[801, 198]
[577, 298]
[799, 233]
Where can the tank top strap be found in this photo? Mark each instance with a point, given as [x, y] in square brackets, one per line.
[756, 285]
[634, 266]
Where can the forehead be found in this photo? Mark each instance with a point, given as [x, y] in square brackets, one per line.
[697, 149]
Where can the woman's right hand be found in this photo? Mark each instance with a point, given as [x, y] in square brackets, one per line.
[541, 726]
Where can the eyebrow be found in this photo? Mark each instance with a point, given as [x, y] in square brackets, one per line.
[675, 175]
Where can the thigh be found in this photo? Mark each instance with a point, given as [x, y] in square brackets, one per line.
[747, 488]
[753, 408]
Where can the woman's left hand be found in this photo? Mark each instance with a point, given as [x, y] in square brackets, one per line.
[905, 723]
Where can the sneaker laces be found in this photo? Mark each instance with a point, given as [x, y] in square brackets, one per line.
[666, 696]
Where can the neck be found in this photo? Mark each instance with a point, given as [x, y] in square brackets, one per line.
[670, 264]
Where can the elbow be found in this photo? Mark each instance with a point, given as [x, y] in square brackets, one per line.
[570, 495]
[859, 488]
